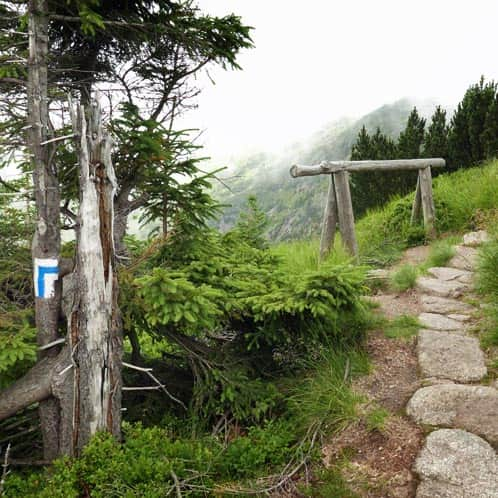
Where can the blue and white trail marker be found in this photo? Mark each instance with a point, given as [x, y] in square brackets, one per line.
[45, 276]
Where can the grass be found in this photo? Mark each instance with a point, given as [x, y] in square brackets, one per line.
[465, 200]
[303, 255]
[376, 419]
[328, 483]
[324, 398]
[405, 278]
[487, 286]
[441, 252]
[403, 326]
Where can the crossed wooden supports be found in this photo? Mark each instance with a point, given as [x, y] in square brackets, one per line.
[339, 206]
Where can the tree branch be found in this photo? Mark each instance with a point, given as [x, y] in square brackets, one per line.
[34, 387]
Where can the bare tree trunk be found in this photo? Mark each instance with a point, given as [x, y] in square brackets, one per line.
[46, 240]
[94, 324]
[84, 379]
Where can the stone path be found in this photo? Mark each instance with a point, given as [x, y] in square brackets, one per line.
[458, 459]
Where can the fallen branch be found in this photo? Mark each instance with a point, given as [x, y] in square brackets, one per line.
[162, 387]
[5, 469]
[34, 387]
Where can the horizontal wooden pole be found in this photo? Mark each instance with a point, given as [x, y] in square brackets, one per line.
[327, 167]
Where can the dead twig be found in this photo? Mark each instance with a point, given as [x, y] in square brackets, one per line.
[5, 469]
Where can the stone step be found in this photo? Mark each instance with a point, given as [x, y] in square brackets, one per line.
[450, 274]
[474, 239]
[464, 259]
[436, 304]
[456, 464]
[435, 321]
[441, 288]
[446, 355]
[473, 408]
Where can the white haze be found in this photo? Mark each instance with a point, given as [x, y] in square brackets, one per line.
[319, 60]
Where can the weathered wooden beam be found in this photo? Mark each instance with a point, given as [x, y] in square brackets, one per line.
[327, 167]
[345, 211]
[417, 204]
[329, 221]
[428, 208]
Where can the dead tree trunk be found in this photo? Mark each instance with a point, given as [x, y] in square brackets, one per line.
[94, 324]
[84, 379]
[46, 240]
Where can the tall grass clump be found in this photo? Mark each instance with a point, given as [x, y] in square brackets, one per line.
[298, 255]
[304, 255]
[404, 278]
[324, 400]
[487, 285]
[441, 252]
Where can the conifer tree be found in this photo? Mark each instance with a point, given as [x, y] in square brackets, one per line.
[411, 138]
[490, 133]
[362, 147]
[373, 188]
[436, 136]
[467, 137]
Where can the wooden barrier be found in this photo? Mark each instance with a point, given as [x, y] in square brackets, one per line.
[339, 207]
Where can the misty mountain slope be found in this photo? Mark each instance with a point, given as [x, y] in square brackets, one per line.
[294, 206]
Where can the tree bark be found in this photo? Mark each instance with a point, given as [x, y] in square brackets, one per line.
[94, 324]
[46, 240]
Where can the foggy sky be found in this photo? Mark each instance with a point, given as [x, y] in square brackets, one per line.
[319, 60]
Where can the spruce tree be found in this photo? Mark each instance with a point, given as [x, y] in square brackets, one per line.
[490, 133]
[436, 136]
[373, 188]
[411, 138]
[467, 139]
[362, 147]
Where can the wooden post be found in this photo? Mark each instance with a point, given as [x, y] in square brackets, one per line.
[329, 221]
[417, 204]
[345, 211]
[428, 208]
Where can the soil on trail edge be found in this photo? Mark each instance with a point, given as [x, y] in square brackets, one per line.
[381, 460]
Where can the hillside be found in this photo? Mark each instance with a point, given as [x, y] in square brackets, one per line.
[294, 207]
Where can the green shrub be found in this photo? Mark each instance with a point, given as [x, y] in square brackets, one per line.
[262, 449]
[147, 464]
[151, 463]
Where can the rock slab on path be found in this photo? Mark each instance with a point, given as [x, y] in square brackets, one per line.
[446, 355]
[441, 288]
[436, 304]
[473, 408]
[457, 464]
[435, 321]
[450, 274]
[474, 239]
[464, 259]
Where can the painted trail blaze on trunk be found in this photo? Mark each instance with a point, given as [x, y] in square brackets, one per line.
[95, 331]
